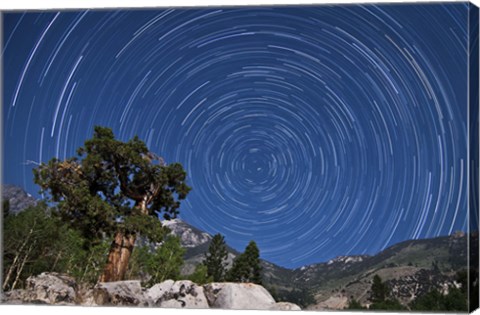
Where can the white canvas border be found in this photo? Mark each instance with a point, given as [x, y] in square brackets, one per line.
[98, 4]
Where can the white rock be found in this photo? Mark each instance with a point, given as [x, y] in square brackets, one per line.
[87, 298]
[285, 306]
[14, 297]
[238, 296]
[156, 292]
[179, 294]
[50, 288]
[119, 293]
[172, 304]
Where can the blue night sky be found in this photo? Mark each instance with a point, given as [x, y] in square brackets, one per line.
[315, 131]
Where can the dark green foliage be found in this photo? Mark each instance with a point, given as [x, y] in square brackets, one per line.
[200, 275]
[379, 290]
[428, 302]
[354, 305]
[157, 265]
[246, 267]
[35, 242]
[89, 261]
[468, 279]
[239, 271]
[6, 208]
[455, 300]
[379, 297]
[113, 186]
[74, 257]
[215, 258]
[27, 236]
[388, 305]
[140, 256]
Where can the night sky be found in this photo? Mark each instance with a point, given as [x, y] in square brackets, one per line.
[316, 131]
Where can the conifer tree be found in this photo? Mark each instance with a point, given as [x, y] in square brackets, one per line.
[115, 189]
[239, 270]
[379, 290]
[246, 267]
[354, 305]
[216, 258]
[252, 254]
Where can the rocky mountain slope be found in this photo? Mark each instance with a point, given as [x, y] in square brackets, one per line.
[190, 237]
[410, 268]
[17, 198]
[196, 243]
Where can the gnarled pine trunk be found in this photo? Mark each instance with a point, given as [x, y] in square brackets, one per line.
[121, 250]
[118, 257]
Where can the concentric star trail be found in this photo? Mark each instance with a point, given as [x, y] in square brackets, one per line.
[316, 131]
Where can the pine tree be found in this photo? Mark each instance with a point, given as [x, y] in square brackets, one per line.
[239, 270]
[354, 305]
[379, 290]
[246, 267]
[455, 300]
[115, 189]
[252, 254]
[215, 258]
[379, 297]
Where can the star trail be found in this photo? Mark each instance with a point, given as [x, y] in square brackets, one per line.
[316, 131]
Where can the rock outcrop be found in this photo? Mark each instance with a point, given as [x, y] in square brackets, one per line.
[285, 306]
[189, 236]
[14, 297]
[240, 296]
[46, 288]
[126, 293]
[53, 288]
[17, 197]
[178, 294]
[407, 288]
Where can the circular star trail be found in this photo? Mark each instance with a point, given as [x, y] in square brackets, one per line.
[315, 131]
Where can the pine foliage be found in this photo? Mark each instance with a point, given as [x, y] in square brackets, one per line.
[246, 267]
[113, 185]
[216, 258]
